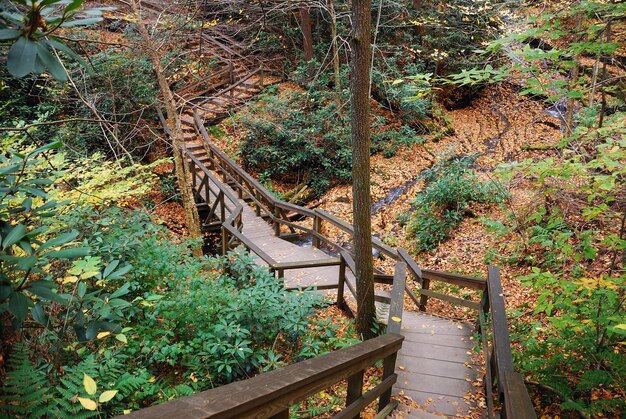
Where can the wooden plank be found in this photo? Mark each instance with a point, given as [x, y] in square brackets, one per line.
[454, 279]
[363, 401]
[433, 338]
[439, 368]
[412, 265]
[397, 299]
[438, 352]
[433, 402]
[451, 299]
[517, 403]
[308, 264]
[444, 386]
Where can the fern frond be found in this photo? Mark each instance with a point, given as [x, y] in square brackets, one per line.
[26, 390]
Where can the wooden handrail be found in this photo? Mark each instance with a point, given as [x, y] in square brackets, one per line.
[272, 393]
[511, 390]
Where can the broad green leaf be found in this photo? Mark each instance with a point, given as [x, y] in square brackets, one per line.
[121, 337]
[107, 395]
[110, 268]
[59, 240]
[81, 22]
[6, 34]
[21, 58]
[18, 306]
[51, 62]
[88, 403]
[73, 253]
[73, 6]
[39, 315]
[89, 384]
[16, 234]
[123, 290]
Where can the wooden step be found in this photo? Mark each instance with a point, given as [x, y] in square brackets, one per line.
[403, 411]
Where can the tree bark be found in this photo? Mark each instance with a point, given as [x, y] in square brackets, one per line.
[335, 47]
[178, 143]
[360, 124]
[307, 35]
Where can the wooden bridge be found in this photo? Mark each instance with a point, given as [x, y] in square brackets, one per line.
[426, 358]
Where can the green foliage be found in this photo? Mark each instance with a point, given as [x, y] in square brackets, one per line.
[452, 32]
[564, 239]
[191, 324]
[26, 390]
[301, 137]
[34, 259]
[450, 190]
[30, 26]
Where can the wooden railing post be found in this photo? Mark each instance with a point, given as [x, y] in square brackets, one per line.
[231, 73]
[424, 298]
[394, 325]
[275, 221]
[224, 240]
[220, 197]
[317, 227]
[355, 389]
[341, 283]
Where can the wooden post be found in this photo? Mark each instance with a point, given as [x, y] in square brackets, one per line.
[281, 273]
[394, 322]
[317, 226]
[239, 188]
[389, 366]
[424, 298]
[224, 241]
[341, 283]
[222, 206]
[355, 389]
[276, 223]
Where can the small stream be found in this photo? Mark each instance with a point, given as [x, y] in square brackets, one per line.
[393, 195]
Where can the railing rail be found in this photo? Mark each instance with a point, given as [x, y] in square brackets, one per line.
[272, 393]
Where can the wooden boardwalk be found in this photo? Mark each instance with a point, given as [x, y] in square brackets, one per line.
[434, 367]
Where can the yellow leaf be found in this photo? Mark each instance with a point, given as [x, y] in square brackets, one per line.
[103, 335]
[396, 319]
[90, 385]
[88, 403]
[121, 337]
[107, 395]
[70, 279]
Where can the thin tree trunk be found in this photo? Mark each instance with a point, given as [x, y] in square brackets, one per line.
[178, 144]
[571, 102]
[336, 63]
[307, 36]
[360, 124]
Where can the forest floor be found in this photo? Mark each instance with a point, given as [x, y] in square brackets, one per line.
[498, 126]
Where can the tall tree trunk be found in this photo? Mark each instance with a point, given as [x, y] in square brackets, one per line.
[360, 124]
[178, 143]
[307, 35]
[335, 47]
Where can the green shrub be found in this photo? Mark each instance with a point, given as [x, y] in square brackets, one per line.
[190, 324]
[450, 189]
[302, 138]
